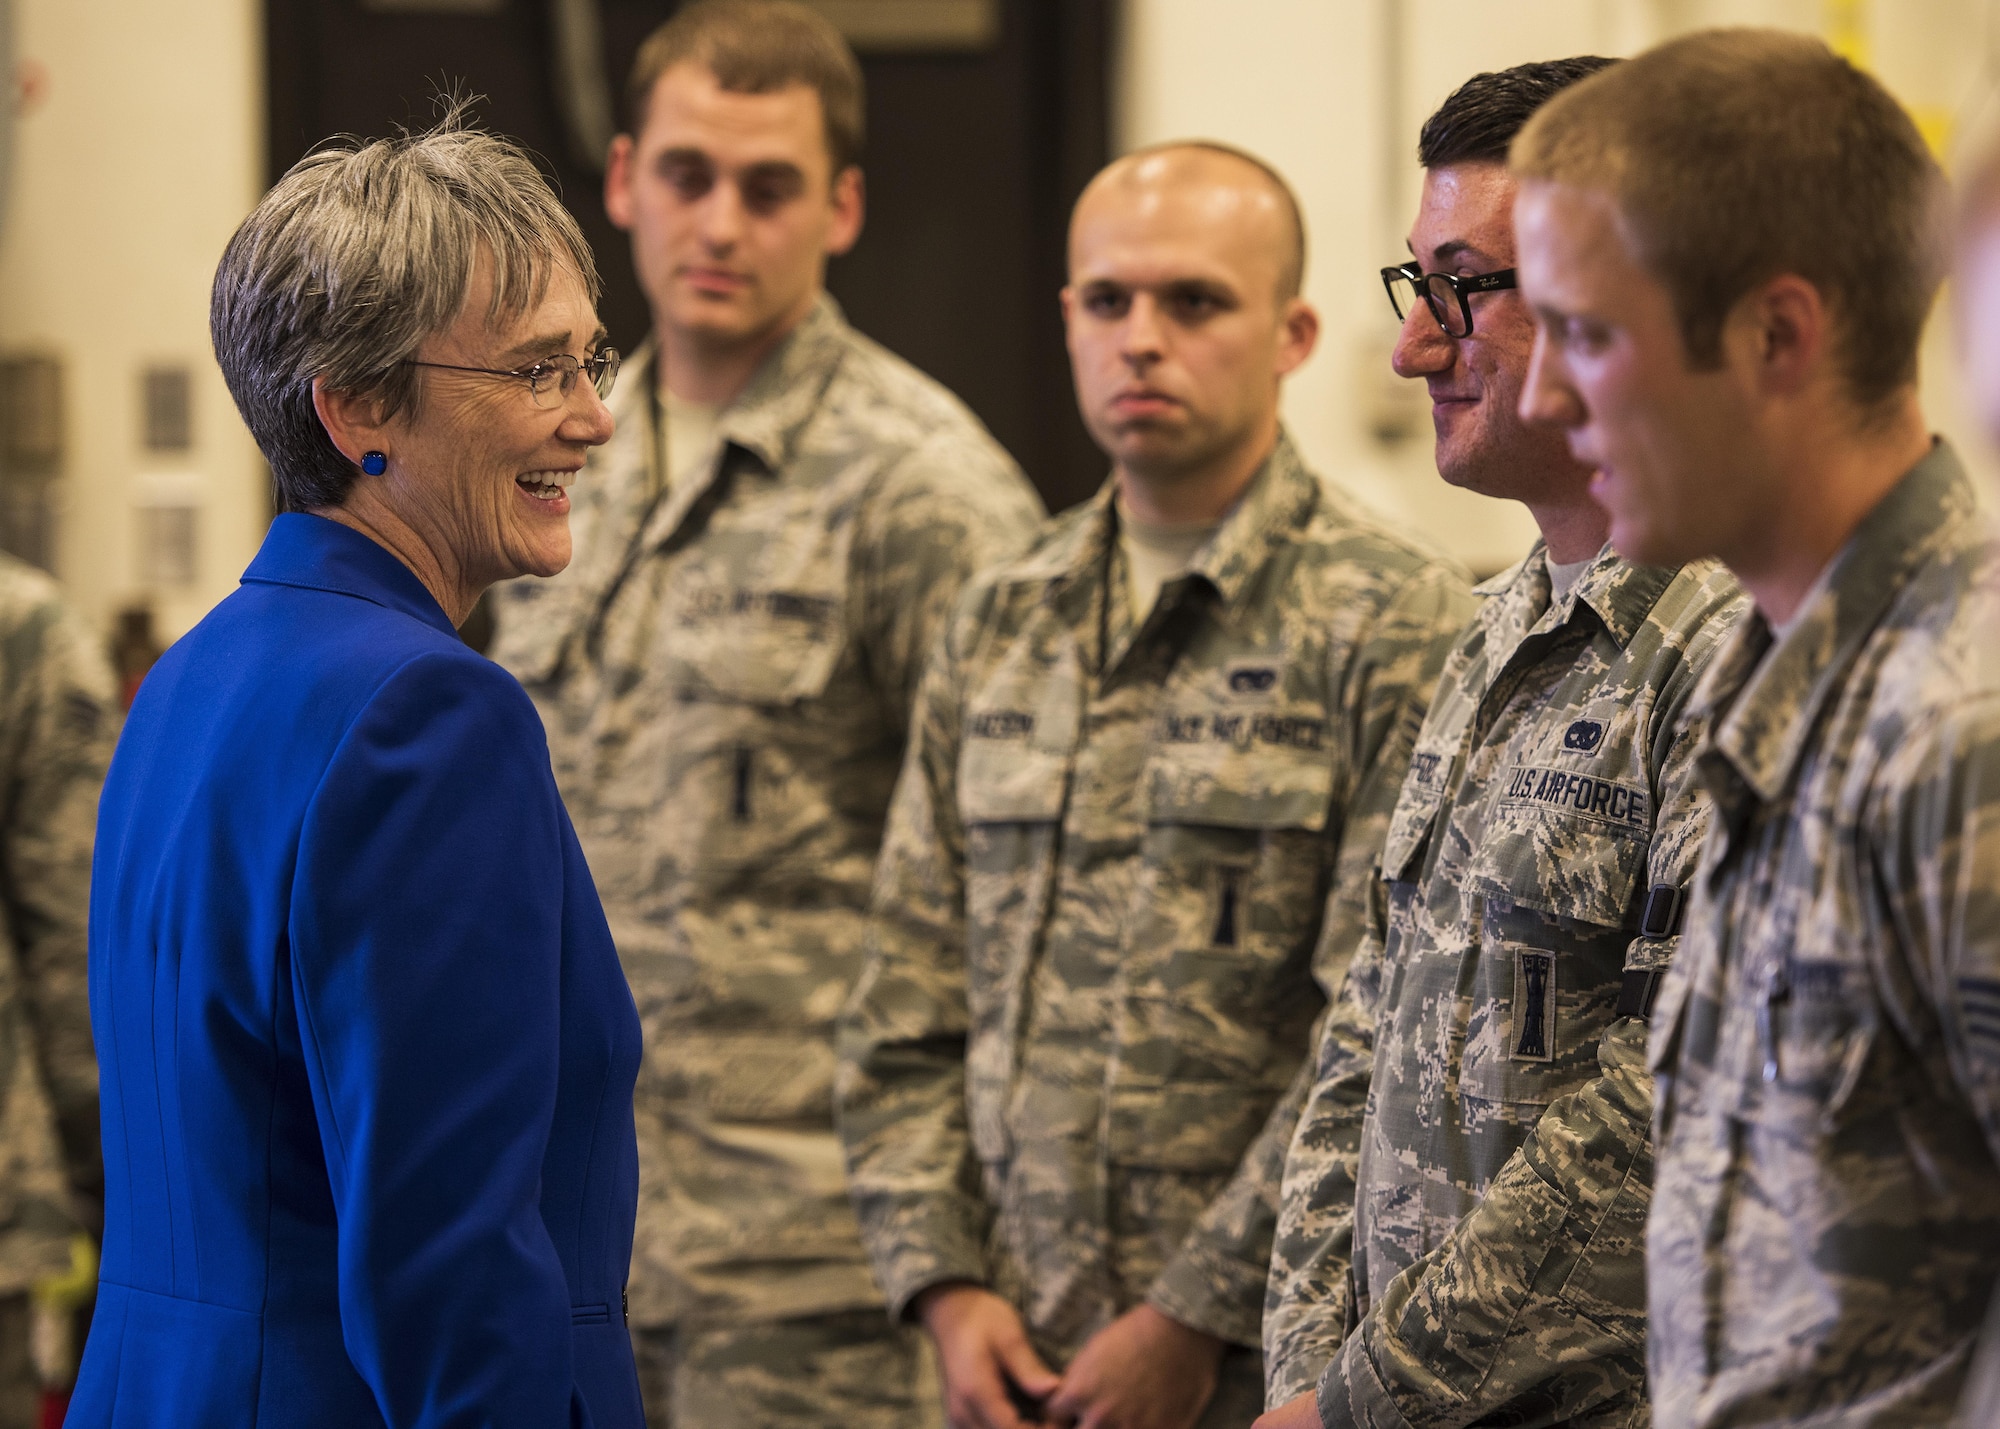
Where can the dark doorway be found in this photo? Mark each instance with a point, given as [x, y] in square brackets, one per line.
[974, 158]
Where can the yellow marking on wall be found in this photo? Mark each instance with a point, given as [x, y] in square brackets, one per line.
[1846, 26]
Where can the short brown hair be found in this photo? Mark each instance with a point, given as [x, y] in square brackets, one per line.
[1736, 155]
[754, 47]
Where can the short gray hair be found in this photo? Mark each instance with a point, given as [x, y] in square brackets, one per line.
[358, 254]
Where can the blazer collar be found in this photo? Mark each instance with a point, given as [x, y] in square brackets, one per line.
[313, 553]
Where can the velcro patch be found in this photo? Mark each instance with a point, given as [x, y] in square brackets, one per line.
[1534, 1006]
[1582, 796]
[1979, 1000]
[999, 724]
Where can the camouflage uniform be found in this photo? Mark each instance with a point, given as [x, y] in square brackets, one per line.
[1091, 979]
[1825, 1237]
[725, 670]
[58, 722]
[1469, 1180]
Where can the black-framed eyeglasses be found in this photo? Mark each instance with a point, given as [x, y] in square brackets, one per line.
[1448, 296]
[553, 378]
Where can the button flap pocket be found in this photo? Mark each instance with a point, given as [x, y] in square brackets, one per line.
[1285, 781]
[757, 646]
[1569, 844]
[1010, 783]
[1020, 730]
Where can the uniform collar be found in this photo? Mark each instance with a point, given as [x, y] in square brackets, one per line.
[1619, 594]
[1280, 496]
[1762, 696]
[766, 418]
[313, 553]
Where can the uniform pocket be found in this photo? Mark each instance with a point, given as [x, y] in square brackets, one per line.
[1555, 896]
[1218, 992]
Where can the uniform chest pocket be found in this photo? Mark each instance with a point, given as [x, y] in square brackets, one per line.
[1226, 909]
[754, 644]
[1218, 997]
[1556, 882]
[1812, 1026]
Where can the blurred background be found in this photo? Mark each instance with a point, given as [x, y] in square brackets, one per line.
[134, 136]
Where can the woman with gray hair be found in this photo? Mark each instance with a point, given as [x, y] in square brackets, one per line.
[367, 1052]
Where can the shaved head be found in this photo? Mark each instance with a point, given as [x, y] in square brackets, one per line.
[1184, 317]
[1208, 183]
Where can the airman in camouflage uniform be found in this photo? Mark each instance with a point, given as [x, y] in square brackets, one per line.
[1460, 1230]
[726, 670]
[1099, 945]
[1827, 1235]
[58, 722]
[725, 674]
[1470, 1178]
[1137, 772]
[1825, 1232]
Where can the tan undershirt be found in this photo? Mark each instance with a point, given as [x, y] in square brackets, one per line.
[1564, 574]
[1154, 555]
[686, 434]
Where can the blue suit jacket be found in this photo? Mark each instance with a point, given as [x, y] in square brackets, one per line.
[367, 1050]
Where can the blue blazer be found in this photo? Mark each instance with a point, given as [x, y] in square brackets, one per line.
[367, 1050]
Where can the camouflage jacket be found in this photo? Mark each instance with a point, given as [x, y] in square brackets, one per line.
[58, 723]
[725, 671]
[1469, 1180]
[1092, 972]
[1825, 1237]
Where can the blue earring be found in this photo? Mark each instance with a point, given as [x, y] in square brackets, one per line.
[374, 463]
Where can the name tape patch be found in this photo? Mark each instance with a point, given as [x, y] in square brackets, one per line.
[1244, 730]
[1000, 724]
[1582, 796]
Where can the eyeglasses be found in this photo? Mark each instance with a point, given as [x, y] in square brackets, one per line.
[1448, 296]
[553, 378]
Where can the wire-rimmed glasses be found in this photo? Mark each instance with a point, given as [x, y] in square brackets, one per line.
[553, 378]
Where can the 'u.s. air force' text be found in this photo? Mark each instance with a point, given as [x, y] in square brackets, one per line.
[1580, 795]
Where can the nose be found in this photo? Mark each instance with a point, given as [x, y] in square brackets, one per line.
[585, 417]
[722, 216]
[1546, 395]
[1142, 342]
[1422, 349]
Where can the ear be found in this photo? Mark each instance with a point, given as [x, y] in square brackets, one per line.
[1784, 331]
[1298, 335]
[618, 182]
[353, 423]
[849, 197]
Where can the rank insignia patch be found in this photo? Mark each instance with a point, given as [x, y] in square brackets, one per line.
[1534, 1006]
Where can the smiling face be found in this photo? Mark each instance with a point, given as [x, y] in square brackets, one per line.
[1676, 449]
[1178, 337]
[480, 472]
[1465, 227]
[732, 206]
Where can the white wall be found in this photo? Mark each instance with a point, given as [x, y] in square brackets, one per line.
[1311, 86]
[131, 174]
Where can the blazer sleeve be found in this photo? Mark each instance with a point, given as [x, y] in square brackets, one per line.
[425, 933]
